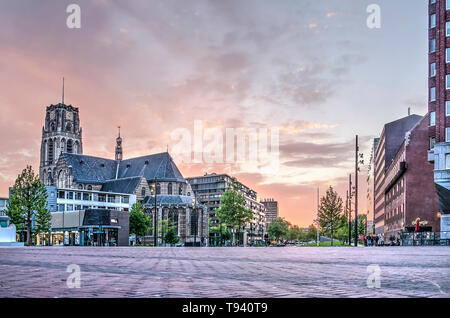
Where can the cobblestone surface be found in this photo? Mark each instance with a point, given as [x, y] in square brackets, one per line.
[225, 272]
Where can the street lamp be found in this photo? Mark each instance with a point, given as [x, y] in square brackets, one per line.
[194, 206]
[155, 226]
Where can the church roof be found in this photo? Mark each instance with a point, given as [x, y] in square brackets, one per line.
[125, 185]
[158, 167]
[89, 169]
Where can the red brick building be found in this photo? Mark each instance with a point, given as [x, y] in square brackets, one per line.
[439, 105]
[409, 185]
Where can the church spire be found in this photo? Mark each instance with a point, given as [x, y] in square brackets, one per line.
[119, 147]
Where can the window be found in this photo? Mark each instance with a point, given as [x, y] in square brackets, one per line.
[61, 195]
[80, 187]
[102, 198]
[432, 142]
[70, 207]
[447, 81]
[143, 192]
[432, 94]
[70, 196]
[432, 118]
[447, 134]
[169, 188]
[432, 69]
[433, 45]
[432, 21]
[447, 7]
[180, 190]
[447, 108]
[125, 200]
[60, 207]
[447, 161]
[158, 188]
[78, 196]
[89, 187]
[432, 1]
[86, 197]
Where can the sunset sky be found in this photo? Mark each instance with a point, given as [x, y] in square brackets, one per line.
[311, 68]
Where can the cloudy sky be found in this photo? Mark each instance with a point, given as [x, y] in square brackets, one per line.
[313, 69]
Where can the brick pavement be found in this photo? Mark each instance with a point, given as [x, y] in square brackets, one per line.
[225, 272]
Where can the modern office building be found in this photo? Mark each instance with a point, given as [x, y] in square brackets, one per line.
[439, 104]
[272, 212]
[390, 140]
[208, 190]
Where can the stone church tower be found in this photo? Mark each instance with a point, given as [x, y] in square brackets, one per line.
[61, 133]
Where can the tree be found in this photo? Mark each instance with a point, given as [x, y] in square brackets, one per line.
[294, 233]
[140, 223]
[330, 210]
[29, 196]
[171, 237]
[312, 233]
[43, 221]
[278, 228]
[232, 210]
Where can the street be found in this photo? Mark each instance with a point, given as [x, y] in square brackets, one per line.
[225, 272]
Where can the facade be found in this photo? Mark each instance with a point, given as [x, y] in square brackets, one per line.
[409, 189]
[391, 138]
[371, 188]
[272, 213]
[3, 204]
[61, 133]
[208, 190]
[76, 182]
[439, 104]
[91, 227]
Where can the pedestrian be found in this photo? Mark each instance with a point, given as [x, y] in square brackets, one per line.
[376, 240]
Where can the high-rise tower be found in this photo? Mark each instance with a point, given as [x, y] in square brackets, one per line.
[61, 133]
[439, 103]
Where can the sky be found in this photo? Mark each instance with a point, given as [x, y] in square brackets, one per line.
[311, 69]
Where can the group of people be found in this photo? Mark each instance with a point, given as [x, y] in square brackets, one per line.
[375, 240]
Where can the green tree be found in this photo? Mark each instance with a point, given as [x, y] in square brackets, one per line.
[278, 229]
[294, 233]
[43, 221]
[312, 233]
[330, 210]
[29, 197]
[232, 210]
[140, 223]
[171, 237]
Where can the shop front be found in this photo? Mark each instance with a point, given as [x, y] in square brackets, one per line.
[97, 235]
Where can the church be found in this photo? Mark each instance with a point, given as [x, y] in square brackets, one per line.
[81, 182]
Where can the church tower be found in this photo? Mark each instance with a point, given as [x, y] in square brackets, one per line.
[61, 133]
[118, 147]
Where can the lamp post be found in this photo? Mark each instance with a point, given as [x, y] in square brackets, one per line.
[194, 206]
[155, 227]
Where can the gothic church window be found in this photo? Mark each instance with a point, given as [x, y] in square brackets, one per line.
[169, 188]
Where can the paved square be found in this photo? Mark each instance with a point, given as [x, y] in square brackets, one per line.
[225, 272]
